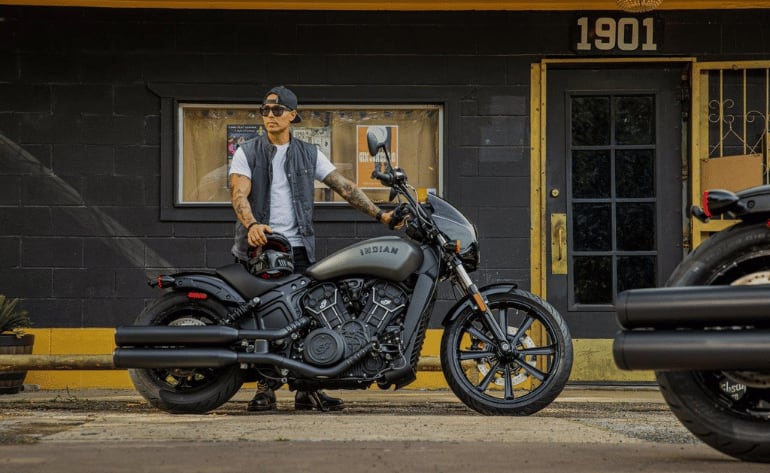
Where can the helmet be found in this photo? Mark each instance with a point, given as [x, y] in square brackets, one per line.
[272, 260]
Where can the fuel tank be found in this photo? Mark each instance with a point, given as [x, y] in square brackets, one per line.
[388, 257]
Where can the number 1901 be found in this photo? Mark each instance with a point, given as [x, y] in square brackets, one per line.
[618, 34]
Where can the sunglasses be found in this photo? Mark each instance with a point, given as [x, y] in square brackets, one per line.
[277, 110]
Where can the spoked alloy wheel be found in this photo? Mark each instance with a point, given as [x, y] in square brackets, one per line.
[493, 382]
[188, 390]
[728, 410]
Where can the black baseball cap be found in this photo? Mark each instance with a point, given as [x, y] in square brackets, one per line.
[286, 97]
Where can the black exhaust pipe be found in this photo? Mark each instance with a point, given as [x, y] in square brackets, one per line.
[156, 358]
[695, 350]
[173, 358]
[170, 335]
[694, 306]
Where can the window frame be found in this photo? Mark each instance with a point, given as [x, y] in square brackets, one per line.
[174, 95]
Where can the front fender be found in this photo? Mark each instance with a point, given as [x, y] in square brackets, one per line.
[466, 302]
[200, 282]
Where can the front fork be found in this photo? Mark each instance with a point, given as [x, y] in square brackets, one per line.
[463, 280]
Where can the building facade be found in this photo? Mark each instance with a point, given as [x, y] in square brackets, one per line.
[574, 139]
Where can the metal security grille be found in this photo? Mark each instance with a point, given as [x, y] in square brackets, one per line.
[730, 116]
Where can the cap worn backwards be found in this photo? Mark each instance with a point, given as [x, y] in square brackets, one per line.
[286, 97]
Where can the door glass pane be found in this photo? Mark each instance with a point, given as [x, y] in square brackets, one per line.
[634, 120]
[591, 174]
[593, 280]
[635, 226]
[636, 272]
[590, 121]
[592, 224]
[612, 196]
[635, 173]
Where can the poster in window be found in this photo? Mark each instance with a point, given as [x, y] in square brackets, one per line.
[321, 137]
[366, 163]
[237, 135]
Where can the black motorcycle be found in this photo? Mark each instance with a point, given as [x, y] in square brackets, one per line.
[710, 346]
[355, 318]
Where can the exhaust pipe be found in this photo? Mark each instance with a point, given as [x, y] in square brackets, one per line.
[157, 358]
[694, 306]
[169, 335]
[696, 350]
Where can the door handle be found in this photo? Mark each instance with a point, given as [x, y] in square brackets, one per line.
[558, 243]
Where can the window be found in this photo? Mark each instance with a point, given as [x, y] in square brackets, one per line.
[209, 134]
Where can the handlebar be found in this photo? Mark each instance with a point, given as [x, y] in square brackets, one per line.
[385, 178]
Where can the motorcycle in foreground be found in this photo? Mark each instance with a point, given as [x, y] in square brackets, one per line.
[710, 346]
[355, 318]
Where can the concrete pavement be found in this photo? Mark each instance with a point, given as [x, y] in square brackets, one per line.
[584, 430]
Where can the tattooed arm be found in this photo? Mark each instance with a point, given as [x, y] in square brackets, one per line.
[240, 188]
[355, 196]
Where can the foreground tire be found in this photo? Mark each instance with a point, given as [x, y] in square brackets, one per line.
[185, 391]
[730, 411]
[493, 383]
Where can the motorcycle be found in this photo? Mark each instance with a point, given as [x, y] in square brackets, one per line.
[707, 332]
[354, 319]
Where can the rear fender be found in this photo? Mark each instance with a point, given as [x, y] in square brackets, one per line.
[208, 284]
[466, 302]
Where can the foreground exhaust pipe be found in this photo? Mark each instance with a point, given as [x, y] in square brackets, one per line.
[694, 306]
[696, 350]
[159, 358]
[165, 335]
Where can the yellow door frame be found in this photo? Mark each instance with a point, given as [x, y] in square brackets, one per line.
[538, 122]
[592, 357]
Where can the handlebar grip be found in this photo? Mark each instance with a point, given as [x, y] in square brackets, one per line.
[400, 213]
[385, 179]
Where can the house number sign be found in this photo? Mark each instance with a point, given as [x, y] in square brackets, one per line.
[629, 35]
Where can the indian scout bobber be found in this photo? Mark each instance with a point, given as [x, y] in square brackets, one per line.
[356, 318]
[707, 335]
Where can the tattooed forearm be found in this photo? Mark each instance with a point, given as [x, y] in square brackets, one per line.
[240, 187]
[350, 192]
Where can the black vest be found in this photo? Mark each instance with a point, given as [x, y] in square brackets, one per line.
[300, 166]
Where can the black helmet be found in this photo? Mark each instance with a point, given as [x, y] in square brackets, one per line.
[272, 260]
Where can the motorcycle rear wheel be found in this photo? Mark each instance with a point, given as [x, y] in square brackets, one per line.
[731, 417]
[185, 391]
[493, 383]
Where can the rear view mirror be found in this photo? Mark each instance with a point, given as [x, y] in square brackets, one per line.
[378, 137]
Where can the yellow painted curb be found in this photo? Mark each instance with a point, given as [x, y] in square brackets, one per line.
[592, 363]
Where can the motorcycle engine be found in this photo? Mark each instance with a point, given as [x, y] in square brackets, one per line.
[348, 315]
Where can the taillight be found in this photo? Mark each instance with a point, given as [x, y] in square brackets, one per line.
[705, 203]
[197, 295]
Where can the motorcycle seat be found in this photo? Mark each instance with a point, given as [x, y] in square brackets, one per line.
[248, 285]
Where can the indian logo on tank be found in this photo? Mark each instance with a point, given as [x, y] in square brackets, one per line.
[373, 249]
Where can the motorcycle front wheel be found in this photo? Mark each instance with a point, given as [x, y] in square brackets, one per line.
[492, 382]
[185, 391]
[730, 411]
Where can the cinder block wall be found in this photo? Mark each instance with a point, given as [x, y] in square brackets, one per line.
[83, 133]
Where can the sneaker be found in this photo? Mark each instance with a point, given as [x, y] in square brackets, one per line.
[308, 400]
[264, 399]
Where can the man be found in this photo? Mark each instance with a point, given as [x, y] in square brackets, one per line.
[272, 186]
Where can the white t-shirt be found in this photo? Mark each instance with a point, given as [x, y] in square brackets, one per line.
[282, 219]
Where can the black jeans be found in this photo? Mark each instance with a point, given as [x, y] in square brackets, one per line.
[301, 263]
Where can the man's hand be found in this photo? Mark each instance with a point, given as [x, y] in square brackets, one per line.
[387, 219]
[256, 235]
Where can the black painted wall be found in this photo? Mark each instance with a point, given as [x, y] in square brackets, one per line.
[82, 134]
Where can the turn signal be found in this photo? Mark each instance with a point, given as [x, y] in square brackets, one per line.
[718, 202]
[163, 281]
[480, 302]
